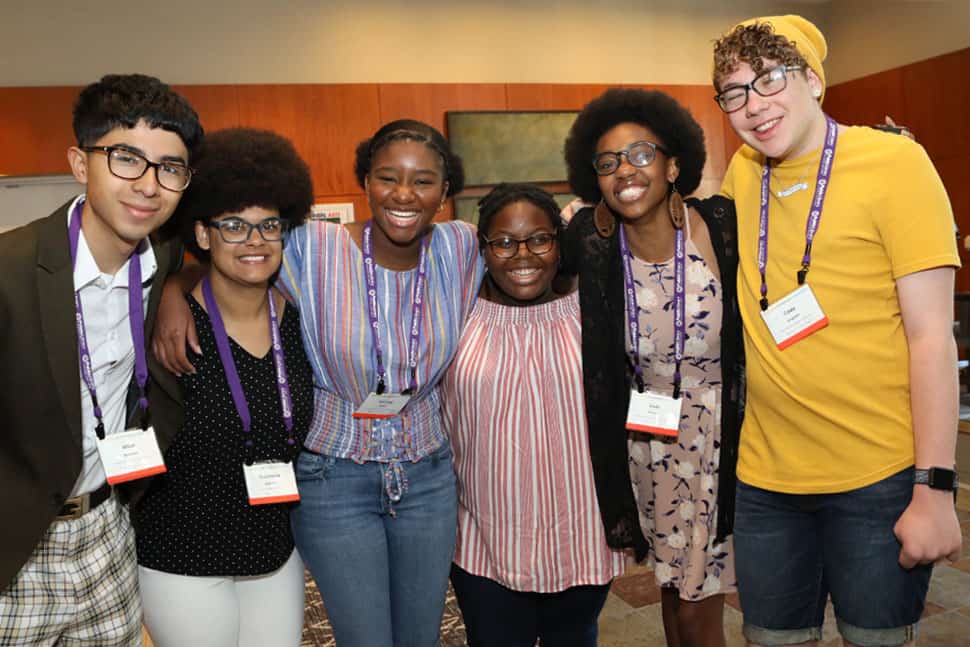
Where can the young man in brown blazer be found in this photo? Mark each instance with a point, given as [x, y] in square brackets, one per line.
[77, 298]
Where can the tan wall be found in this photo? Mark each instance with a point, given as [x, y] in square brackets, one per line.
[61, 42]
[868, 36]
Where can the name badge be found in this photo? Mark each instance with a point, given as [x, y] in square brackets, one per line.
[386, 405]
[794, 317]
[130, 455]
[270, 482]
[654, 413]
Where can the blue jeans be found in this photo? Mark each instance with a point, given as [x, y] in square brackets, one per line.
[382, 566]
[794, 550]
[496, 616]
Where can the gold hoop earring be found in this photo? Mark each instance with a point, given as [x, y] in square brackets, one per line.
[675, 207]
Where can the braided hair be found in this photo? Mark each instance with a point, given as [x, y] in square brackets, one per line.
[508, 193]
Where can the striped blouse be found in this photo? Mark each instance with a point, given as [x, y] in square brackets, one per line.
[513, 407]
[323, 273]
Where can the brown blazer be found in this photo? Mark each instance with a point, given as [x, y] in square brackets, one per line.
[40, 383]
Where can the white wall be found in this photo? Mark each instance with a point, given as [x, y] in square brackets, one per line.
[61, 42]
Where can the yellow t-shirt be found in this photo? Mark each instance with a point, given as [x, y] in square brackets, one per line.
[832, 413]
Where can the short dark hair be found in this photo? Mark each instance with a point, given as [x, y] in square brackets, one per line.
[679, 133]
[417, 131]
[237, 168]
[122, 100]
[509, 193]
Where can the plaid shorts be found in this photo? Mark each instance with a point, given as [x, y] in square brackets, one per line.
[79, 587]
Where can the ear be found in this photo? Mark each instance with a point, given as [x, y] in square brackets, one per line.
[78, 161]
[673, 169]
[202, 235]
[814, 83]
[444, 195]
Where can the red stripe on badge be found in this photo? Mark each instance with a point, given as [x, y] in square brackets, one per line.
[805, 332]
[274, 499]
[140, 474]
[659, 431]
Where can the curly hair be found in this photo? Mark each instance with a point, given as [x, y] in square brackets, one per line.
[679, 133]
[239, 168]
[413, 130]
[508, 193]
[122, 100]
[752, 44]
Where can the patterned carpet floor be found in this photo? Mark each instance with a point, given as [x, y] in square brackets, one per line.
[318, 633]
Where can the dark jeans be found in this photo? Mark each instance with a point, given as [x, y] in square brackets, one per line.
[496, 616]
[795, 550]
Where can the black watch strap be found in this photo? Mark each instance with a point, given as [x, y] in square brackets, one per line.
[937, 478]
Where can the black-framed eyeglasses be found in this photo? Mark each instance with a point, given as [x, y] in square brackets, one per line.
[236, 230]
[129, 165]
[766, 84]
[507, 247]
[638, 154]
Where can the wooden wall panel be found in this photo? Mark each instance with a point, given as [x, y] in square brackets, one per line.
[936, 97]
[869, 99]
[216, 105]
[552, 96]
[35, 128]
[428, 102]
[325, 123]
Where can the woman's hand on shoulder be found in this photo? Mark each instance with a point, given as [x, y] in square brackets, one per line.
[174, 325]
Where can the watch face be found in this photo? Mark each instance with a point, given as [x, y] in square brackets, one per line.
[941, 479]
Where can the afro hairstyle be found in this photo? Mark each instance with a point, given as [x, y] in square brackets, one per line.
[238, 168]
[679, 133]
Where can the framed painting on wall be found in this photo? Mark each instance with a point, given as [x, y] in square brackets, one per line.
[510, 146]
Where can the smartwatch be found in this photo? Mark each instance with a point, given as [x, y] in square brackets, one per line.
[938, 478]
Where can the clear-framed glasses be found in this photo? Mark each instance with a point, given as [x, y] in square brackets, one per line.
[766, 84]
[129, 165]
[638, 154]
[236, 230]
[507, 247]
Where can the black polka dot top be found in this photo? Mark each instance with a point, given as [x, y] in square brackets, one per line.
[196, 519]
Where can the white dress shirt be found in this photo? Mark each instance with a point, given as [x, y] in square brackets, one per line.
[104, 301]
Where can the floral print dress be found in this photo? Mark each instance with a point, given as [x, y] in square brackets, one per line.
[675, 480]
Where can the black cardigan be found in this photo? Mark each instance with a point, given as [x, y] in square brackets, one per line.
[592, 250]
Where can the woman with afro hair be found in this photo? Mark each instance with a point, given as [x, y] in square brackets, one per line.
[217, 563]
[663, 464]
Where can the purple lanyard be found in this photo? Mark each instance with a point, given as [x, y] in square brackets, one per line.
[414, 336]
[232, 374]
[136, 319]
[633, 309]
[814, 214]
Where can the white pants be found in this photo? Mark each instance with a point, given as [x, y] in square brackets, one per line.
[256, 611]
